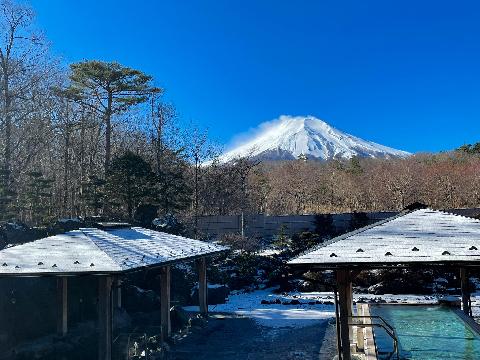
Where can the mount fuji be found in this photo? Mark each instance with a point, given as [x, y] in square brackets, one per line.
[293, 137]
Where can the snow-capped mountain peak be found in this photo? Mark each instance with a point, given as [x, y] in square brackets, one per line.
[291, 137]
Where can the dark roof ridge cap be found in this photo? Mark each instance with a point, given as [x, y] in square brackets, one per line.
[458, 215]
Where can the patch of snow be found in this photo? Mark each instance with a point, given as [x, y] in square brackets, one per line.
[269, 252]
[66, 220]
[274, 315]
[215, 286]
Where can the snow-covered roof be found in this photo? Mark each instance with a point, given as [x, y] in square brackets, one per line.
[96, 251]
[419, 237]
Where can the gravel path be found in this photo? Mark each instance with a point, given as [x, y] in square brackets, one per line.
[228, 336]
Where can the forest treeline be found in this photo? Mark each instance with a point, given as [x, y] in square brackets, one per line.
[99, 138]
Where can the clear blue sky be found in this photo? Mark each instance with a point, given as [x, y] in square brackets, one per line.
[402, 73]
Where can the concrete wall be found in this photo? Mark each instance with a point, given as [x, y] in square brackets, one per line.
[265, 226]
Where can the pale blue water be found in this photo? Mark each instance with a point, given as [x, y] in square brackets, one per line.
[427, 333]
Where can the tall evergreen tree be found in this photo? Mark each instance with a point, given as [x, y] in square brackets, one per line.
[36, 199]
[173, 192]
[108, 88]
[94, 194]
[129, 182]
[7, 195]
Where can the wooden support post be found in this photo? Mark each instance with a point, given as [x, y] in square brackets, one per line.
[350, 308]
[337, 324]
[118, 284]
[62, 306]
[464, 283]
[165, 302]
[343, 285]
[105, 318]
[202, 286]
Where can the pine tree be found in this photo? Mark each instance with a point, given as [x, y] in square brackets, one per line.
[108, 88]
[94, 194]
[129, 182]
[355, 166]
[36, 200]
[173, 192]
[7, 196]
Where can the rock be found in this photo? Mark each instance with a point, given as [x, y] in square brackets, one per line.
[169, 224]
[121, 319]
[137, 299]
[265, 302]
[16, 232]
[197, 321]
[179, 318]
[64, 225]
[295, 302]
[217, 294]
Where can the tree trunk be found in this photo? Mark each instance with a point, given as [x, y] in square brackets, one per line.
[108, 131]
[7, 123]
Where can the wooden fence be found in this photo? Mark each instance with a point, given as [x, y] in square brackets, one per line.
[265, 226]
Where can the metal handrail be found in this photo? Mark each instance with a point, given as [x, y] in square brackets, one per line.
[385, 326]
[374, 317]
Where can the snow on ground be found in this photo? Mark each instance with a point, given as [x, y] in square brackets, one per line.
[269, 252]
[313, 307]
[275, 315]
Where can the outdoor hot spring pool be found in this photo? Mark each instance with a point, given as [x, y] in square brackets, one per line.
[427, 333]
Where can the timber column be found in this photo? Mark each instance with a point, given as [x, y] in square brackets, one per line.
[105, 317]
[62, 306]
[165, 302]
[202, 286]
[344, 296]
[464, 282]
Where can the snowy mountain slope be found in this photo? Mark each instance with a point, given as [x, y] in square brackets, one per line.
[291, 137]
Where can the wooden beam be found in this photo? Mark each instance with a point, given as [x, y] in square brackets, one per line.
[165, 302]
[343, 285]
[202, 286]
[464, 283]
[105, 318]
[62, 306]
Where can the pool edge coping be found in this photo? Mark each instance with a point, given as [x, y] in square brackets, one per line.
[468, 320]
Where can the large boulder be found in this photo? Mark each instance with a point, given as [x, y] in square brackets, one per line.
[169, 224]
[16, 232]
[136, 299]
[67, 224]
[217, 294]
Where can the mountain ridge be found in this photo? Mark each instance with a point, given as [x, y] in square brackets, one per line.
[291, 137]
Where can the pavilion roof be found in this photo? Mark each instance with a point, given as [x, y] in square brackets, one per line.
[96, 251]
[422, 236]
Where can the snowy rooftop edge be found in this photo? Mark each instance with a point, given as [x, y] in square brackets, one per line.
[421, 236]
[95, 251]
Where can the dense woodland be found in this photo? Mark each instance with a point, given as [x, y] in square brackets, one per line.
[98, 138]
